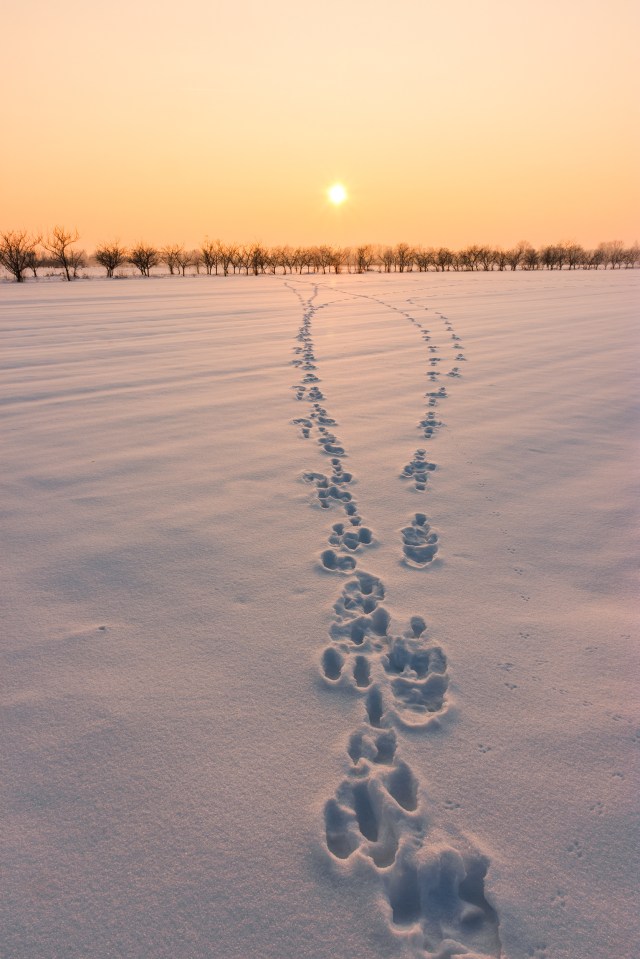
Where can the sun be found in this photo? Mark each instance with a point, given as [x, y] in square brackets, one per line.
[337, 194]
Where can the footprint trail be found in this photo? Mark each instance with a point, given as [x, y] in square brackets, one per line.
[431, 879]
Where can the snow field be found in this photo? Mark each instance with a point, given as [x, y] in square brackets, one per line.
[242, 721]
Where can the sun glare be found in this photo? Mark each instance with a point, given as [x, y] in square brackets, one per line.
[337, 194]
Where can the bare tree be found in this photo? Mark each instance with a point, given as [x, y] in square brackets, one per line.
[573, 255]
[551, 257]
[77, 261]
[403, 257]
[365, 256]
[386, 258]
[501, 258]
[486, 257]
[210, 253]
[183, 259]
[257, 258]
[58, 244]
[228, 255]
[468, 258]
[286, 257]
[18, 253]
[423, 259]
[513, 257]
[443, 259]
[35, 262]
[338, 256]
[613, 253]
[144, 258]
[171, 256]
[593, 259]
[110, 256]
[242, 259]
[530, 258]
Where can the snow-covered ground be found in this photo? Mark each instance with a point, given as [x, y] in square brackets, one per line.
[240, 722]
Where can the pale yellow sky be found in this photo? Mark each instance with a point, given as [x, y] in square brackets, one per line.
[449, 123]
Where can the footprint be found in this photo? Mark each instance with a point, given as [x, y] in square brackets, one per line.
[374, 707]
[440, 890]
[429, 424]
[362, 672]
[350, 538]
[375, 805]
[379, 748]
[339, 830]
[361, 594]
[419, 681]
[575, 849]
[329, 488]
[332, 663]
[337, 564]
[420, 543]
[559, 900]
[403, 786]
[329, 443]
[418, 469]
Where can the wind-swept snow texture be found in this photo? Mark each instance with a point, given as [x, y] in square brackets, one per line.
[317, 616]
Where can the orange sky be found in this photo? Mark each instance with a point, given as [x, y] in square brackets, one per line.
[449, 123]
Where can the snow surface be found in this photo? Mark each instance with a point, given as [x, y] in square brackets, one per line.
[219, 739]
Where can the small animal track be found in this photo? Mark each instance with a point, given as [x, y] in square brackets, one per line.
[575, 849]
[559, 901]
[419, 542]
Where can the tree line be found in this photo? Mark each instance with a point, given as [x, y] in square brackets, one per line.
[22, 254]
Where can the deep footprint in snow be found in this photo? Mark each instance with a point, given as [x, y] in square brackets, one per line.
[439, 890]
[419, 681]
[333, 668]
[351, 537]
[418, 469]
[305, 425]
[330, 443]
[405, 677]
[434, 887]
[336, 563]
[375, 804]
[434, 396]
[330, 489]
[420, 543]
[429, 424]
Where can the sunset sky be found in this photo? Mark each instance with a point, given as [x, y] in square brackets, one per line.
[448, 123]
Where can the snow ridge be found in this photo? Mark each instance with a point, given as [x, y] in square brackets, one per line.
[431, 878]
